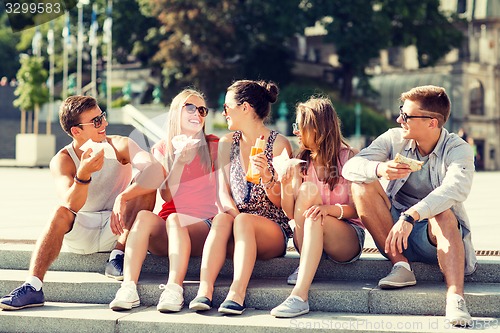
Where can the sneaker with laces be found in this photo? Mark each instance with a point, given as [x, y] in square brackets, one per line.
[456, 312]
[398, 277]
[293, 306]
[126, 297]
[22, 297]
[171, 299]
[292, 278]
[114, 268]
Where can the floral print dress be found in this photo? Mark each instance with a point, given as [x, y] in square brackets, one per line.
[249, 197]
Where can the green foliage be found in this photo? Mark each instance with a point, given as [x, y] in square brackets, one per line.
[422, 24]
[207, 44]
[361, 28]
[372, 123]
[31, 89]
[134, 33]
[9, 57]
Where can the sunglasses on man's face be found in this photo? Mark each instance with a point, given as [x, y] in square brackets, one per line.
[405, 117]
[191, 109]
[96, 121]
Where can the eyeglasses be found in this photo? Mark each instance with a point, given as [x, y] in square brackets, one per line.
[191, 109]
[405, 117]
[225, 106]
[295, 127]
[96, 121]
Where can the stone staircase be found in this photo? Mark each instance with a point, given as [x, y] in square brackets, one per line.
[343, 297]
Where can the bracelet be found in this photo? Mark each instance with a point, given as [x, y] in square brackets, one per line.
[341, 216]
[376, 170]
[81, 181]
[269, 184]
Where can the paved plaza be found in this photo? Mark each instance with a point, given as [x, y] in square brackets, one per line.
[27, 198]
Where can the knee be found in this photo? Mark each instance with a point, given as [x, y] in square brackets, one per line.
[308, 190]
[143, 221]
[447, 222]
[173, 220]
[63, 217]
[307, 194]
[243, 223]
[222, 221]
[360, 190]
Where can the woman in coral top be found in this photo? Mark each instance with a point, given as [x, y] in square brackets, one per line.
[181, 227]
[318, 198]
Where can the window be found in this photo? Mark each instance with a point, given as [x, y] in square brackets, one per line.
[476, 97]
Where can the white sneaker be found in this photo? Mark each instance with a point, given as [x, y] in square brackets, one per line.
[456, 311]
[126, 297]
[171, 299]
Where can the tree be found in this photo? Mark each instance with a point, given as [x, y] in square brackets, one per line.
[208, 43]
[31, 89]
[423, 25]
[9, 62]
[359, 29]
[134, 32]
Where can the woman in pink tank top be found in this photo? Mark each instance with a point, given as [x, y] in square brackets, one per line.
[318, 198]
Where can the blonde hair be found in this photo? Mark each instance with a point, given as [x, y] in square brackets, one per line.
[174, 129]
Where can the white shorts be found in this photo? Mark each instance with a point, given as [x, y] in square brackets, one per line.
[91, 233]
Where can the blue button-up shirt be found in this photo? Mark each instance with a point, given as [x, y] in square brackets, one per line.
[451, 166]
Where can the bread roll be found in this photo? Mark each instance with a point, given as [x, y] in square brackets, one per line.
[414, 164]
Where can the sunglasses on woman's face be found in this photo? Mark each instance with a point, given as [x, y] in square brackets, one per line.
[191, 109]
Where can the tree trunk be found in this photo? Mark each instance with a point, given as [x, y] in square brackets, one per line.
[29, 128]
[347, 76]
[35, 119]
[49, 119]
[23, 121]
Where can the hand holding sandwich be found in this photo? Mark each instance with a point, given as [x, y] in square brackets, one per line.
[398, 168]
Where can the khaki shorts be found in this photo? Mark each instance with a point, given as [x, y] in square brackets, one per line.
[91, 233]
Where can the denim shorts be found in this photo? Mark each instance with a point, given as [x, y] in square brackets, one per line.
[360, 232]
[420, 247]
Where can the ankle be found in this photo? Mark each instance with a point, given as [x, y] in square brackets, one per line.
[35, 282]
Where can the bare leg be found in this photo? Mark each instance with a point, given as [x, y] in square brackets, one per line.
[373, 208]
[147, 231]
[186, 237]
[215, 252]
[336, 238]
[49, 244]
[444, 232]
[254, 237]
[134, 206]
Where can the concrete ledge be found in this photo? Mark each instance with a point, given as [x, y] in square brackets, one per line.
[426, 298]
[67, 317]
[370, 266]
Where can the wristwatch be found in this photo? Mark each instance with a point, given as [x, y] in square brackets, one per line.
[408, 218]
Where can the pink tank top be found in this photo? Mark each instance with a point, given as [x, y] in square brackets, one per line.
[341, 191]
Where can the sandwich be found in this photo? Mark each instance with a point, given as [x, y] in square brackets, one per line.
[413, 164]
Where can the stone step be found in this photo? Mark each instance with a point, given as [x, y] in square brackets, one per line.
[82, 318]
[426, 298]
[370, 266]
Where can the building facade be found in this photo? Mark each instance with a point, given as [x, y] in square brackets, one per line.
[470, 75]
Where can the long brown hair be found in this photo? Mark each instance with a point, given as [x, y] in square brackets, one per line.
[317, 116]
